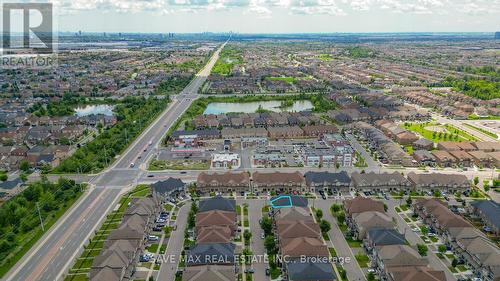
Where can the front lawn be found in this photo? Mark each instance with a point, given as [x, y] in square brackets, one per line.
[362, 259]
[353, 243]
[152, 248]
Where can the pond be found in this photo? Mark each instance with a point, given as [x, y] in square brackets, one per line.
[94, 110]
[249, 107]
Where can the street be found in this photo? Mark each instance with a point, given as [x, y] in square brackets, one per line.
[175, 244]
[352, 268]
[54, 253]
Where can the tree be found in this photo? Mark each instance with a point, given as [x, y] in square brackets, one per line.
[409, 201]
[370, 276]
[270, 244]
[192, 215]
[442, 248]
[476, 180]
[247, 235]
[454, 262]
[422, 250]
[24, 165]
[385, 207]
[324, 226]
[319, 214]
[424, 229]
[267, 225]
[3, 176]
[340, 218]
[335, 208]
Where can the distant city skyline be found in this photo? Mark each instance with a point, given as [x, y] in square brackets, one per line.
[278, 16]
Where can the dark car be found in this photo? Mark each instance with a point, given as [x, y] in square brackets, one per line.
[268, 271]
[323, 196]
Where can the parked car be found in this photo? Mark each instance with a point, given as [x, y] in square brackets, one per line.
[268, 271]
[153, 238]
[262, 235]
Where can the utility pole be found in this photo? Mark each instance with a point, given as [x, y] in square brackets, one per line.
[40, 216]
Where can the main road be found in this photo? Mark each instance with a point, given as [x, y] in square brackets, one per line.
[50, 258]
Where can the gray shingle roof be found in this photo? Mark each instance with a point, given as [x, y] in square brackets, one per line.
[490, 209]
[217, 203]
[168, 185]
[321, 177]
[382, 237]
[298, 271]
[211, 253]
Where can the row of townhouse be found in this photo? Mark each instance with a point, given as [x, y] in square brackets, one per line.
[388, 152]
[298, 237]
[331, 182]
[373, 113]
[273, 132]
[123, 246]
[213, 257]
[469, 244]
[466, 154]
[256, 120]
[388, 249]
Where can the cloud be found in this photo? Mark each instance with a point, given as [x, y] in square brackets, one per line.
[266, 7]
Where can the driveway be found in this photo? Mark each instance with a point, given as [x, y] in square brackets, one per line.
[354, 272]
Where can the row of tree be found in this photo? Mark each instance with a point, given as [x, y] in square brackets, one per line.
[21, 216]
[133, 115]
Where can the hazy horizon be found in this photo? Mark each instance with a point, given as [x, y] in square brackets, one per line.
[277, 16]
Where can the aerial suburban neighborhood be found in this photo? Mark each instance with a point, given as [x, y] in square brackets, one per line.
[200, 156]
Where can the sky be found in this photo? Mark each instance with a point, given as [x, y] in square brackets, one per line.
[277, 16]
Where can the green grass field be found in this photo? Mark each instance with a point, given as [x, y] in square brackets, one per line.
[488, 133]
[437, 132]
[158, 165]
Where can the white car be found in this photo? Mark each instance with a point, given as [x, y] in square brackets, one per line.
[152, 238]
[262, 235]
[371, 270]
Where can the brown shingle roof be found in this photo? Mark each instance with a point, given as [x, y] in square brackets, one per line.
[416, 273]
[216, 217]
[277, 178]
[214, 234]
[294, 229]
[223, 179]
[303, 246]
[361, 204]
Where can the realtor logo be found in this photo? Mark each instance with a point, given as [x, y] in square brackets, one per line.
[29, 42]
